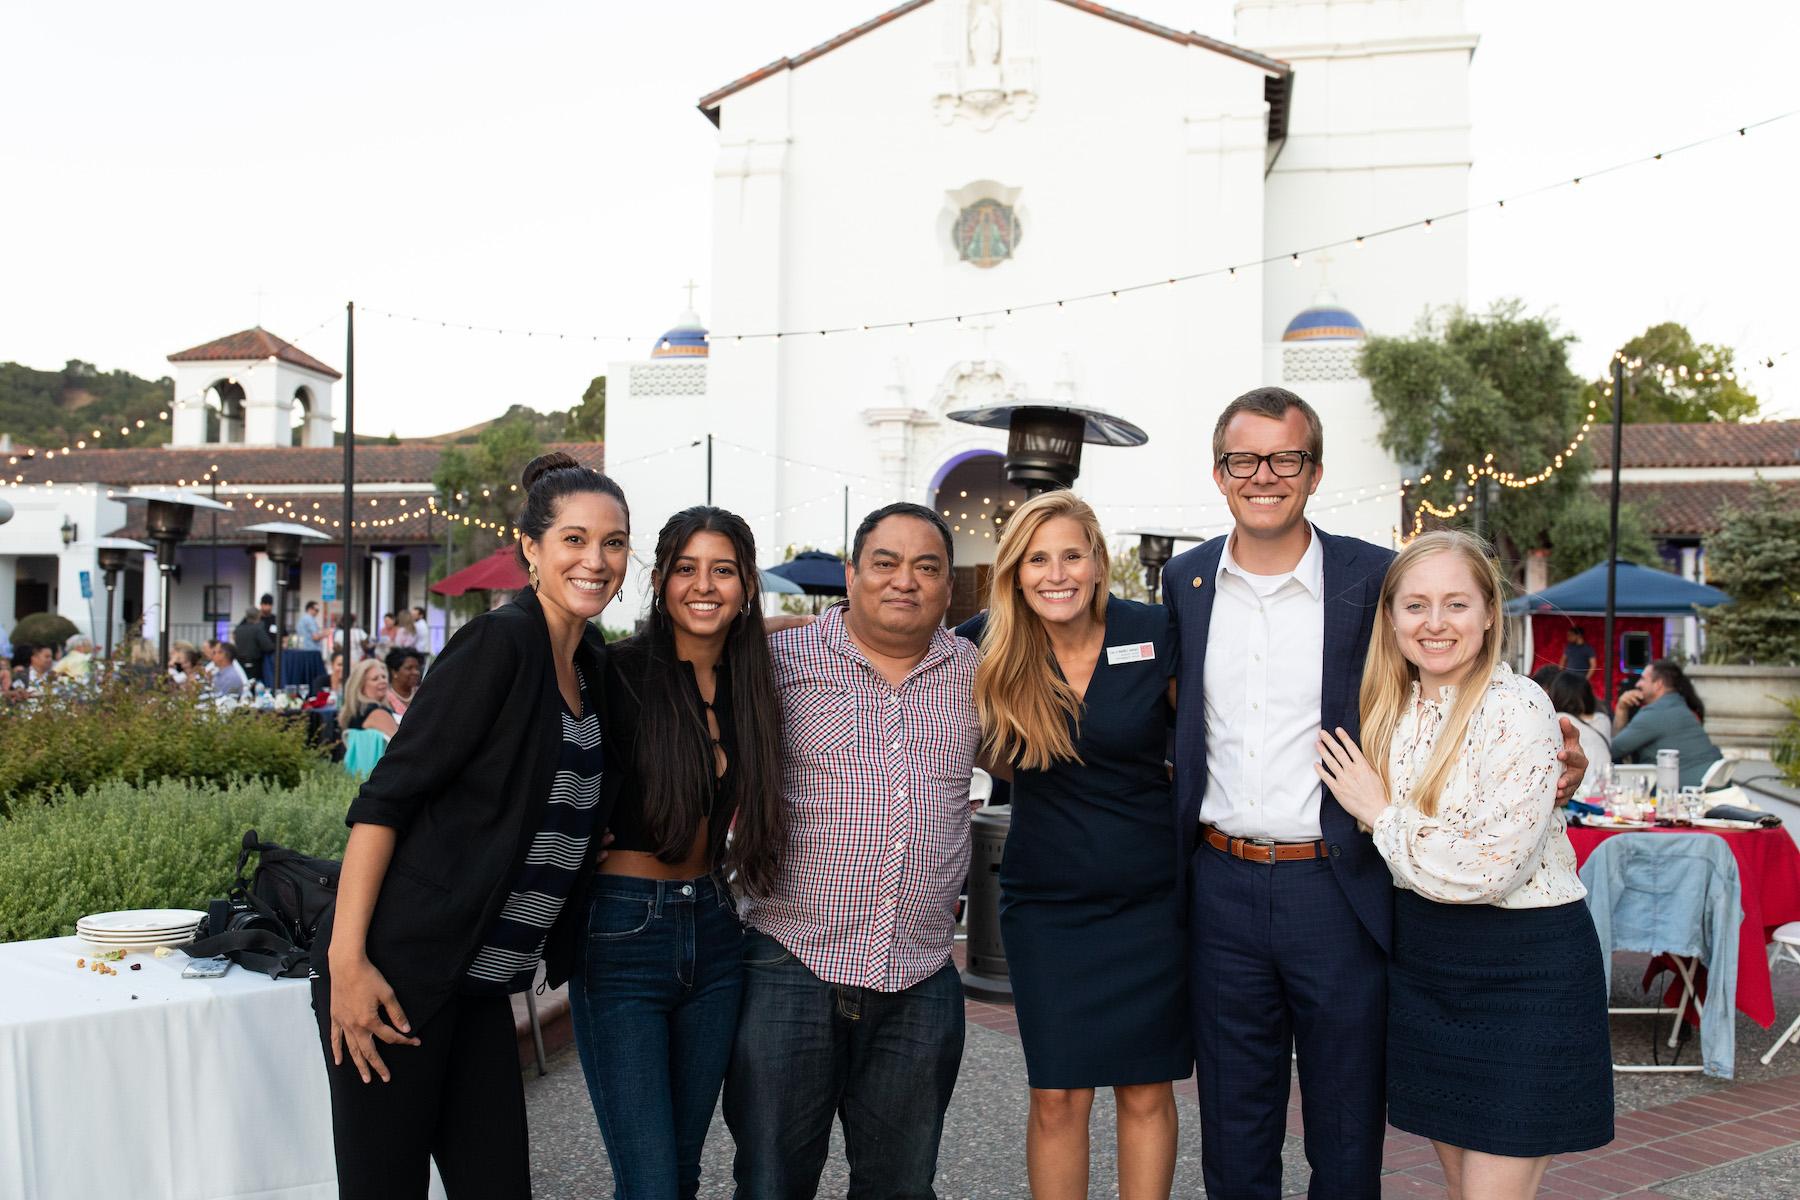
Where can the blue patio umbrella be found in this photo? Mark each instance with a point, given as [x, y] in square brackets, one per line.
[776, 585]
[1641, 592]
[814, 572]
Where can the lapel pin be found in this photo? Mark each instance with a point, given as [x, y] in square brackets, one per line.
[1198, 582]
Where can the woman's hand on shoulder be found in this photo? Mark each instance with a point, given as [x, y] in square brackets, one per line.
[359, 996]
[1351, 779]
[1574, 762]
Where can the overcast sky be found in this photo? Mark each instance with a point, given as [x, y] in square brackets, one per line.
[169, 174]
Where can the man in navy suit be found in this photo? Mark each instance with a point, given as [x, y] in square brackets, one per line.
[1289, 906]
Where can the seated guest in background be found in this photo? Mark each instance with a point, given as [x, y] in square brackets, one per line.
[184, 663]
[1570, 694]
[1664, 712]
[76, 663]
[1088, 897]
[694, 730]
[1490, 932]
[229, 679]
[251, 640]
[404, 635]
[208, 655]
[366, 702]
[31, 666]
[140, 662]
[405, 667]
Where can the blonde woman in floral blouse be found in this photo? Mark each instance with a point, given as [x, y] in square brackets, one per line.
[1497, 1037]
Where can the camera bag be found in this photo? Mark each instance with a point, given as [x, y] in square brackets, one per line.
[266, 923]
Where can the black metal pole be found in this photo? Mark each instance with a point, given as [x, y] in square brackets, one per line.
[449, 554]
[280, 620]
[165, 574]
[1609, 655]
[112, 579]
[212, 550]
[709, 469]
[349, 483]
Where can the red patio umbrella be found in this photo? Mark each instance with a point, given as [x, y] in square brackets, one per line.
[498, 572]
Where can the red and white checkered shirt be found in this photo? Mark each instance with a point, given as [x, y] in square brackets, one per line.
[876, 780]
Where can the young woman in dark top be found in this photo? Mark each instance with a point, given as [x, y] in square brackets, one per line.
[470, 845]
[692, 725]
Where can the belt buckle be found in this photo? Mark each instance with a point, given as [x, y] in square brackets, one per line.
[1263, 842]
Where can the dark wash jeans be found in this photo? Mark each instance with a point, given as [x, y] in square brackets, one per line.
[655, 1006]
[885, 1063]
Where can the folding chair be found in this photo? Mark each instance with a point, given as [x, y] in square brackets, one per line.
[1785, 948]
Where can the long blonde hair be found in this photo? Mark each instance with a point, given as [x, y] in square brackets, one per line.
[1388, 678]
[351, 704]
[1025, 704]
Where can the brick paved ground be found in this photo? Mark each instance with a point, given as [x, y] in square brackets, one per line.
[1684, 1137]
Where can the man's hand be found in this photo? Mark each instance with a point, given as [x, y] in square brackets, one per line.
[1575, 763]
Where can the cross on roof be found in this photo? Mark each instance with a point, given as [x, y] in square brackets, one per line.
[691, 285]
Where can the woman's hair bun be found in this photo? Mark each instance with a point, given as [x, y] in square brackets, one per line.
[543, 464]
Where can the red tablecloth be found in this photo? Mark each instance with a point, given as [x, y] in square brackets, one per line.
[1769, 871]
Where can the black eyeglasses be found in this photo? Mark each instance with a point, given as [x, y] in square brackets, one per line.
[1285, 463]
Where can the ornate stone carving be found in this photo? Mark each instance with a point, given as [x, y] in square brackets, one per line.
[988, 72]
[668, 379]
[1320, 363]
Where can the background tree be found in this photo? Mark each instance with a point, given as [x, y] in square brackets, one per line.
[1125, 578]
[1755, 558]
[1466, 386]
[1677, 380]
[1578, 536]
[482, 481]
[586, 422]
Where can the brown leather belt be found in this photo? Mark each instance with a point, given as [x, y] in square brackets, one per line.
[1260, 850]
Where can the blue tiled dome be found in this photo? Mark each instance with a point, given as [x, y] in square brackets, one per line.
[1324, 321]
[686, 340]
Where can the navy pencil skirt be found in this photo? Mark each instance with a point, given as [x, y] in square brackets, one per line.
[1497, 1032]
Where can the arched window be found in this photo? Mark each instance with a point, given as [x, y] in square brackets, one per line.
[303, 406]
[225, 411]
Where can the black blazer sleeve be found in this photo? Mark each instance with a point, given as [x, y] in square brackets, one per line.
[447, 722]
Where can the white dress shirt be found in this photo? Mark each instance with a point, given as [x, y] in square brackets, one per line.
[1265, 663]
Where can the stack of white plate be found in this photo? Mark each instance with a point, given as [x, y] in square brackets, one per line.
[140, 928]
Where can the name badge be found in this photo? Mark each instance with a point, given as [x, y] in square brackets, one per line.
[1142, 652]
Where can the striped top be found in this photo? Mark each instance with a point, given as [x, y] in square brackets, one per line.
[514, 944]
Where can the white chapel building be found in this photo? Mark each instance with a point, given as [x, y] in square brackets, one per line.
[954, 157]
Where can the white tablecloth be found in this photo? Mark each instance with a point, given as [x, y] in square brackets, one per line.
[145, 1084]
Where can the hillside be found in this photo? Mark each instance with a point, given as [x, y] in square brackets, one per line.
[57, 408]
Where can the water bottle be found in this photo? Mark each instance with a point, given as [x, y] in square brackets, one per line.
[1668, 785]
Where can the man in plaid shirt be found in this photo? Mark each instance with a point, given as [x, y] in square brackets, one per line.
[851, 1005]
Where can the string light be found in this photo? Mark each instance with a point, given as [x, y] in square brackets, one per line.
[1112, 294]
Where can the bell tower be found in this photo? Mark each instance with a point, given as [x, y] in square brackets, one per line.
[251, 389]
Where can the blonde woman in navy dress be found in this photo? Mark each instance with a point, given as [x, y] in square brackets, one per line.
[1497, 1044]
[1075, 697]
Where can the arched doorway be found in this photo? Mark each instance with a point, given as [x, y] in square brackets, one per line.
[972, 494]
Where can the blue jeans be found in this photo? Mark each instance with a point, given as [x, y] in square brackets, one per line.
[885, 1063]
[655, 1006]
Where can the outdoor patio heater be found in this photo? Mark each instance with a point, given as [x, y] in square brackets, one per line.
[1155, 548]
[282, 543]
[167, 522]
[112, 553]
[1044, 440]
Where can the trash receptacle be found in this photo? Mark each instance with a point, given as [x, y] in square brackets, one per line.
[985, 976]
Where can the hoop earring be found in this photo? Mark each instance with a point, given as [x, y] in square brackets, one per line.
[531, 570]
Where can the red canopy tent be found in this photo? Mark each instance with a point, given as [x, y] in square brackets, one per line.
[498, 572]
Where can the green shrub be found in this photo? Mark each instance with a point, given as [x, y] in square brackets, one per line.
[43, 629]
[137, 730]
[167, 845]
[1786, 752]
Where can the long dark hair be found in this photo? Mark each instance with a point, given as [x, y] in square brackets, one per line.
[1570, 693]
[1676, 680]
[674, 750]
[546, 480]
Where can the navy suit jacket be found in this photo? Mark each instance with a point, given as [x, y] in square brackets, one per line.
[1353, 571]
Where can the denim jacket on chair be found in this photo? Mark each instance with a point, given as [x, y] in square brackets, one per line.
[1661, 893]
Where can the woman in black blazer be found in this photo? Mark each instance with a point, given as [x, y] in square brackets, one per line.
[470, 846]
